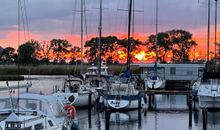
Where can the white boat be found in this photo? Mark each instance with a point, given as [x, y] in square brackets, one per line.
[209, 90]
[76, 88]
[154, 83]
[94, 70]
[34, 112]
[122, 95]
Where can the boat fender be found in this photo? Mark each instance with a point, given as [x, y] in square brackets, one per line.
[71, 110]
[71, 99]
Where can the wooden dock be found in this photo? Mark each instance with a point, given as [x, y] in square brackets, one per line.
[168, 92]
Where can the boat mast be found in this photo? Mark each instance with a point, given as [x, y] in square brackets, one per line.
[19, 24]
[100, 36]
[156, 37]
[216, 8]
[81, 65]
[209, 4]
[129, 35]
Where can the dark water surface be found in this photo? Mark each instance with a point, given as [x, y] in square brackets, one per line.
[172, 113]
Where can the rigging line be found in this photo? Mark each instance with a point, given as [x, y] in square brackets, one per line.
[81, 65]
[73, 26]
[216, 14]
[143, 28]
[22, 20]
[100, 40]
[19, 4]
[129, 34]
[73, 18]
[27, 22]
[156, 39]
[85, 20]
[133, 20]
[208, 34]
[116, 17]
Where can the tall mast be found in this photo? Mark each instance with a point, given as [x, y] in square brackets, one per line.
[81, 65]
[216, 8]
[19, 24]
[209, 4]
[100, 36]
[129, 35]
[156, 38]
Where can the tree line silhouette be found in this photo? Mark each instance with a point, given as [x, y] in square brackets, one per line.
[59, 51]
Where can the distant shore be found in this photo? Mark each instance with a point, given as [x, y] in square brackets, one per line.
[6, 70]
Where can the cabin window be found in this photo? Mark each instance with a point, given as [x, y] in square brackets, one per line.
[50, 123]
[189, 73]
[172, 71]
[38, 126]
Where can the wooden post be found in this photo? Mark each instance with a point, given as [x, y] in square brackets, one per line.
[190, 110]
[204, 119]
[187, 100]
[107, 118]
[89, 110]
[194, 103]
[27, 89]
[139, 113]
[150, 103]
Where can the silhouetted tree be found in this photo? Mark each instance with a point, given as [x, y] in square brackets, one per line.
[179, 42]
[182, 44]
[59, 47]
[7, 55]
[27, 52]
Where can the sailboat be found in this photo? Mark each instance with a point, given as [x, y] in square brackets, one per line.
[122, 94]
[209, 88]
[31, 111]
[153, 79]
[76, 89]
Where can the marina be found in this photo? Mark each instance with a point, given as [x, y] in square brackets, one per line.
[171, 107]
[119, 78]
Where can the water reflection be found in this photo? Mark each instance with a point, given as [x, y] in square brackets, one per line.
[123, 121]
[213, 121]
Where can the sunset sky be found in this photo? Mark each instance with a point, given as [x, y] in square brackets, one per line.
[57, 19]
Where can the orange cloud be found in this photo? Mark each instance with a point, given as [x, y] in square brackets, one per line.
[10, 38]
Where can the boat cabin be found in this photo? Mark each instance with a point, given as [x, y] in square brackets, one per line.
[173, 72]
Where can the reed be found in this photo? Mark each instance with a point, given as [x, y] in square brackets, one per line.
[56, 69]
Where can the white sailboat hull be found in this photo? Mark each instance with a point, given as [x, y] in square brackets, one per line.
[121, 104]
[81, 99]
[154, 84]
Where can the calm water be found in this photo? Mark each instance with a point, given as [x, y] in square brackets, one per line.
[172, 112]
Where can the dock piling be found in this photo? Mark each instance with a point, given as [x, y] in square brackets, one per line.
[190, 110]
[204, 119]
[139, 113]
[107, 118]
[194, 103]
[90, 110]
[150, 107]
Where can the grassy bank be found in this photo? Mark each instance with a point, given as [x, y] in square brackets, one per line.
[55, 69]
